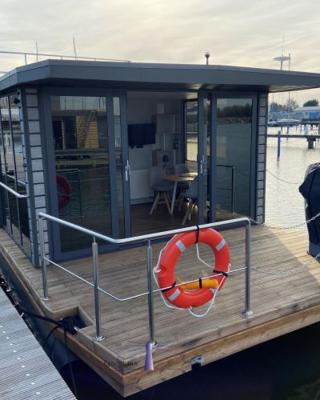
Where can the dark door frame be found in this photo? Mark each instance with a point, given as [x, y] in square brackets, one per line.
[50, 171]
[213, 96]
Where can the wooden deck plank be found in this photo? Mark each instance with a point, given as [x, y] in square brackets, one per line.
[26, 372]
[285, 284]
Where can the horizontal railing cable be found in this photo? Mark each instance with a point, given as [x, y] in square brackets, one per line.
[283, 180]
[136, 296]
[295, 226]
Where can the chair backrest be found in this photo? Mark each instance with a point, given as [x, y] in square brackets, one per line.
[192, 192]
[181, 168]
[156, 176]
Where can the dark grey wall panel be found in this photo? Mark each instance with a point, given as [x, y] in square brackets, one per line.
[261, 156]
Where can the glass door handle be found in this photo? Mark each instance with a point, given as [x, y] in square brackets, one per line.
[202, 165]
[127, 171]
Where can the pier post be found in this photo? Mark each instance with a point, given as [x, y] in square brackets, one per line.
[95, 265]
[311, 142]
[278, 145]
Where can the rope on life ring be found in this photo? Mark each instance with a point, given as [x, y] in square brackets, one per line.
[64, 191]
[195, 294]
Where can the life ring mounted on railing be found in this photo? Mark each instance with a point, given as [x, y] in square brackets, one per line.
[198, 293]
[64, 191]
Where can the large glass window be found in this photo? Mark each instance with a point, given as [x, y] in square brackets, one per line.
[207, 182]
[119, 162]
[191, 132]
[13, 173]
[234, 136]
[82, 166]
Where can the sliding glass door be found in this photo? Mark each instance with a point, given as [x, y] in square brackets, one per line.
[234, 145]
[88, 175]
[15, 217]
[233, 154]
[105, 148]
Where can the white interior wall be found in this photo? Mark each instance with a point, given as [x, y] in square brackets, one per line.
[167, 113]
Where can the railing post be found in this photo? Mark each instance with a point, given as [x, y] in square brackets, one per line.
[247, 310]
[151, 343]
[42, 259]
[232, 184]
[278, 145]
[95, 265]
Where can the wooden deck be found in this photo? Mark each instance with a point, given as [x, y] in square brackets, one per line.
[285, 297]
[26, 372]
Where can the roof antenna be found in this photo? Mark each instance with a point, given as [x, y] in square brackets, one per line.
[207, 56]
[75, 48]
[281, 59]
[37, 51]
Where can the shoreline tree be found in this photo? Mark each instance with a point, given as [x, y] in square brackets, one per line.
[311, 103]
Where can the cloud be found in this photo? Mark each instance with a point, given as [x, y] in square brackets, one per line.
[236, 32]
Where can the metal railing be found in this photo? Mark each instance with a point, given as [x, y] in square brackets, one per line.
[12, 191]
[12, 220]
[147, 239]
[14, 179]
[36, 55]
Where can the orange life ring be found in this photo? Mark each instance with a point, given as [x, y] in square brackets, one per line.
[172, 252]
[64, 191]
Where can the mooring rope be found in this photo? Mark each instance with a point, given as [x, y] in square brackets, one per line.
[282, 180]
[295, 226]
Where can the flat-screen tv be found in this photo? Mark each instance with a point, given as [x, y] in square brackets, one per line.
[141, 134]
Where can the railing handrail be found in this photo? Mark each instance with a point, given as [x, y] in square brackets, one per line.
[236, 223]
[61, 56]
[16, 180]
[240, 222]
[9, 189]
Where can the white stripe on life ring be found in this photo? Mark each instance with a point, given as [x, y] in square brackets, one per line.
[220, 245]
[181, 246]
[174, 295]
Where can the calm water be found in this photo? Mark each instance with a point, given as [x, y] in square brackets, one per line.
[284, 204]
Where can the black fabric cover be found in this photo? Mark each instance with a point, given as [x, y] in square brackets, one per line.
[310, 190]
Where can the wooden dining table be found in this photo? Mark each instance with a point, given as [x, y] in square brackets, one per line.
[179, 178]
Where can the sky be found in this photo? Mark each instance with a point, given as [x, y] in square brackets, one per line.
[234, 32]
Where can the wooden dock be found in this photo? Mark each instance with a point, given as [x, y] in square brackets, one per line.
[285, 297]
[26, 372]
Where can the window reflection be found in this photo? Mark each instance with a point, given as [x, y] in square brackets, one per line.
[191, 129]
[13, 173]
[82, 166]
[234, 135]
[119, 163]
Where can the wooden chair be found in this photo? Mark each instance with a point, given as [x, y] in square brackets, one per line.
[182, 186]
[191, 195]
[160, 187]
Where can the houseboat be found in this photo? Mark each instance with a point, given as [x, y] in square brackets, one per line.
[101, 164]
